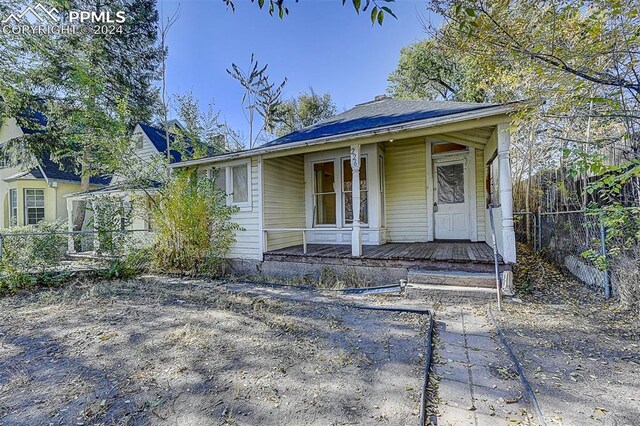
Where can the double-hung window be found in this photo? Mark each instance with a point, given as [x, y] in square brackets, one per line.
[33, 206]
[235, 182]
[324, 193]
[347, 190]
[13, 207]
[239, 184]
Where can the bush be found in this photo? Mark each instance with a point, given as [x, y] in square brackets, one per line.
[29, 255]
[625, 273]
[33, 248]
[193, 225]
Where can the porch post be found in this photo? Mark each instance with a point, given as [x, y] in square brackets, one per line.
[356, 232]
[506, 197]
[71, 248]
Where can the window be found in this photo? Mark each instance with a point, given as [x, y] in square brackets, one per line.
[139, 141]
[493, 187]
[4, 157]
[220, 179]
[13, 207]
[235, 182]
[347, 188]
[324, 194]
[240, 180]
[451, 184]
[382, 200]
[33, 206]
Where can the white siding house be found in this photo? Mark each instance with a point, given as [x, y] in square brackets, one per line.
[423, 169]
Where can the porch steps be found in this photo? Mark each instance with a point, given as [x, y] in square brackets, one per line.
[452, 278]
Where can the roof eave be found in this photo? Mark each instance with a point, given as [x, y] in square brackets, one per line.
[413, 125]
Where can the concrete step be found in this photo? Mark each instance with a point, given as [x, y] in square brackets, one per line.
[452, 278]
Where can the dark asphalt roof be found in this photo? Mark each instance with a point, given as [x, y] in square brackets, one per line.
[158, 138]
[55, 171]
[35, 117]
[378, 113]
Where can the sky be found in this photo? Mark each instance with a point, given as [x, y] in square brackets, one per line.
[320, 44]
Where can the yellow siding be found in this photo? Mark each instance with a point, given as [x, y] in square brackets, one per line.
[247, 245]
[480, 195]
[406, 195]
[284, 200]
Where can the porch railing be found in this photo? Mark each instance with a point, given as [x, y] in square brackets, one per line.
[265, 244]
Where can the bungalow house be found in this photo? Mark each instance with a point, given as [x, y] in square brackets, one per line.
[34, 190]
[392, 187]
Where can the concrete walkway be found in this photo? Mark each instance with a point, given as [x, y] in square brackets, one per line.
[478, 383]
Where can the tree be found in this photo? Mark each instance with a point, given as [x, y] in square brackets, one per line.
[305, 110]
[202, 129]
[376, 15]
[260, 96]
[426, 70]
[86, 84]
[585, 58]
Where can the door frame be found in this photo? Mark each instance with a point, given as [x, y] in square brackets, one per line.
[469, 159]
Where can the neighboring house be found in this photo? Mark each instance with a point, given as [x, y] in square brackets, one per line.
[426, 172]
[33, 192]
[150, 143]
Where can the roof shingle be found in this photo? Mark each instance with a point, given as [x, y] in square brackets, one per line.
[378, 113]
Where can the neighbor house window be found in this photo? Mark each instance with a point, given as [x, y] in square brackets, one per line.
[4, 157]
[13, 207]
[324, 194]
[347, 190]
[33, 206]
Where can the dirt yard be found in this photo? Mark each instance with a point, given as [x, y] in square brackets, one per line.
[144, 352]
[580, 353]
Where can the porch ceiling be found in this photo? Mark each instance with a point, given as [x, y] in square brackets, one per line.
[475, 138]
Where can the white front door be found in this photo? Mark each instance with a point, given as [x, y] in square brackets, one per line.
[451, 206]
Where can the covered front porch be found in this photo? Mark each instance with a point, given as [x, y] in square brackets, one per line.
[421, 199]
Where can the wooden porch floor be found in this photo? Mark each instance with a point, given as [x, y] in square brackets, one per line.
[436, 255]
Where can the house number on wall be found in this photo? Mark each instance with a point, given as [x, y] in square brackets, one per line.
[355, 157]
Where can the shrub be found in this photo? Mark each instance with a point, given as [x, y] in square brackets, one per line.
[626, 277]
[193, 225]
[30, 255]
[33, 248]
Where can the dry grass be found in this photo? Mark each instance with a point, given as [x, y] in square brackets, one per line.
[166, 351]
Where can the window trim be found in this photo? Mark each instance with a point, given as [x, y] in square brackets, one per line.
[334, 192]
[26, 208]
[227, 168]
[344, 193]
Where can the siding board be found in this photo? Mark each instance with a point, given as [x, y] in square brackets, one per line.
[406, 195]
[284, 197]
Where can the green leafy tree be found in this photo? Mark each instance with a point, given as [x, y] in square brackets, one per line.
[80, 83]
[378, 9]
[304, 110]
[429, 71]
[584, 59]
[202, 129]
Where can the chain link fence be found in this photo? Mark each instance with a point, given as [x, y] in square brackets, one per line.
[38, 252]
[589, 244]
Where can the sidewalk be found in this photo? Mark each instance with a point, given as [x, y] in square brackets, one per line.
[478, 384]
